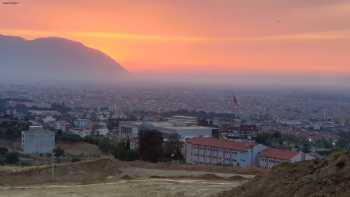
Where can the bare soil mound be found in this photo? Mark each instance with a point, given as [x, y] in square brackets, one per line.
[324, 178]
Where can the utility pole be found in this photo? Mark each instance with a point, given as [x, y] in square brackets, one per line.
[52, 167]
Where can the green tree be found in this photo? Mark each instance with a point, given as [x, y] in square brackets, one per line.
[12, 158]
[150, 145]
[172, 149]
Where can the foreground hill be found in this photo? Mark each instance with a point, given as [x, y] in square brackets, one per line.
[330, 177]
[54, 59]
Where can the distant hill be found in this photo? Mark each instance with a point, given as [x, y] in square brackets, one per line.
[54, 59]
[326, 178]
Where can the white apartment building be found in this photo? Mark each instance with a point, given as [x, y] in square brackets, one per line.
[214, 151]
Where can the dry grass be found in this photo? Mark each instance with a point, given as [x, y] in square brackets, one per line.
[80, 149]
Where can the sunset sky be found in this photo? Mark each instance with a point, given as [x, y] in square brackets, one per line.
[197, 36]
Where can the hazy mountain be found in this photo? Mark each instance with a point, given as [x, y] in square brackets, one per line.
[54, 59]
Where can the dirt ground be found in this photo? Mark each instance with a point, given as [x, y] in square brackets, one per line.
[107, 178]
[126, 188]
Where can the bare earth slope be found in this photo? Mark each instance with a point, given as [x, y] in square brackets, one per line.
[325, 178]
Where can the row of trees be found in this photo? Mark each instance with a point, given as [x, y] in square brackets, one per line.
[11, 129]
[278, 140]
[151, 147]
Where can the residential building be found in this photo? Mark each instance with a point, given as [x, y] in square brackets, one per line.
[82, 123]
[38, 140]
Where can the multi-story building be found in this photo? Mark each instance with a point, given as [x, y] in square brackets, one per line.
[82, 123]
[214, 151]
[183, 121]
[271, 157]
[130, 129]
[38, 140]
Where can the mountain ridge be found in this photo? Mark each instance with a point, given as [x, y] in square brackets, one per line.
[55, 58]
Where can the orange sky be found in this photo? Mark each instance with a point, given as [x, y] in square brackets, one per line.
[221, 36]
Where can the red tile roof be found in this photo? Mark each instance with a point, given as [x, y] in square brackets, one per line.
[279, 154]
[238, 146]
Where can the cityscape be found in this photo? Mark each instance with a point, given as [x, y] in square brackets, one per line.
[186, 98]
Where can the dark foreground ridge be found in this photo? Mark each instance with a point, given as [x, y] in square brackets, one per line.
[324, 178]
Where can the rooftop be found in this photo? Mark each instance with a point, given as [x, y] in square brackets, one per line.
[226, 144]
[279, 154]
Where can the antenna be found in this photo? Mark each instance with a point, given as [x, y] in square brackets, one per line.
[236, 105]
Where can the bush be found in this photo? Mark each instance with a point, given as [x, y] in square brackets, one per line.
[75, 159]
[104, 144]
[126, 155]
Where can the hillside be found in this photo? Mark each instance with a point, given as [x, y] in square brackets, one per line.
[54, 59]
[325, 178]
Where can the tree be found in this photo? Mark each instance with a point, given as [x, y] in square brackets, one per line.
[306, 148]
[12, 158]
[264, 138]
[172, 149]
[3, 151]
[150, 145]
[69, 137]
[58, 153]
[124, 153]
